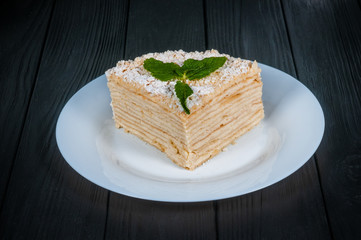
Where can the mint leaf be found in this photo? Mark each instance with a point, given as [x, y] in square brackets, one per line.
[160, 70]
[192, 69]
[183, 91]
[197, 69]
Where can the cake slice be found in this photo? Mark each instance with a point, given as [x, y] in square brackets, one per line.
[223, 106]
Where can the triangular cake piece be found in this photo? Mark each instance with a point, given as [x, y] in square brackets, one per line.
[224, 105]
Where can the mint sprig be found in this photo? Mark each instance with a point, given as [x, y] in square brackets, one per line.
[192, 69]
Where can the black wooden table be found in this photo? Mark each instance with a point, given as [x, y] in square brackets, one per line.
[49, 49]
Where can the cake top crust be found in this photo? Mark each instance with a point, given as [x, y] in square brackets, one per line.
[133, 72]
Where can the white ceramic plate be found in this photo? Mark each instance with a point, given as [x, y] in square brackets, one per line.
[287, 137]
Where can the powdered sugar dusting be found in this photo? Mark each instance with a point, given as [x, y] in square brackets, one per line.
[133, 71]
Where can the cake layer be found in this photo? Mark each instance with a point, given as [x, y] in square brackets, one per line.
[145, 119]
[230, 106]
[220, 142]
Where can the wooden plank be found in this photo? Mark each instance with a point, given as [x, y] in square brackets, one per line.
[293, 208]
[276, 212]
[154, 27]
[326, 38]
[164, 25]
[46, 199]
[130, 218]
[250, 30]
[23, 30]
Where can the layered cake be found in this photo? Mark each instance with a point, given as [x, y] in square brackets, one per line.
[190, 105]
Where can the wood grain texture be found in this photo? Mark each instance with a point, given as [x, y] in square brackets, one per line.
[46, 199]
[281, 211]
[130, 218]
[293, 208]
[155, 27]
[250, 30]
[325, 37]
[23, 31]
[257, 30]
